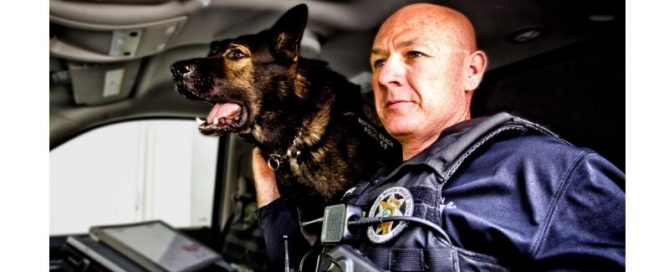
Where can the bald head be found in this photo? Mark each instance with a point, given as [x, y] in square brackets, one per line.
[425, 67]
[443, 22]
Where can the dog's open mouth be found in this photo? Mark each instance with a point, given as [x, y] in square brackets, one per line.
[224, 118]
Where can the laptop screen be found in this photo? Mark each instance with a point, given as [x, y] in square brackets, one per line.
[160, 244]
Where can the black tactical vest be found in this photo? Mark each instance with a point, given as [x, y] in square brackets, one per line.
[414, 189]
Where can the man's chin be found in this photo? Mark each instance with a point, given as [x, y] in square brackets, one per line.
[400, 131]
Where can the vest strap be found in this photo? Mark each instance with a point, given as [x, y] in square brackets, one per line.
[427, 212]
[426, 204]
[409, 259]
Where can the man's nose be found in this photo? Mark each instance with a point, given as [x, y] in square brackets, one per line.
[392, 73]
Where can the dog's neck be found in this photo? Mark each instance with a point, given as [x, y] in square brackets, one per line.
[303, 134]
[275, 160]
[307, 134]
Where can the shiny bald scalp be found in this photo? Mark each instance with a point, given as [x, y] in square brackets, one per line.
[441, 21]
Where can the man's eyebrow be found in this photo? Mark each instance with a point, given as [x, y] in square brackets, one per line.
[400, 45]
[406, 43]
[379, 51]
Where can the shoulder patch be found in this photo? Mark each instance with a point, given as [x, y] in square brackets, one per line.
[394, 201]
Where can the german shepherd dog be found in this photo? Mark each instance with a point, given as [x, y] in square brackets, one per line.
[310, 122]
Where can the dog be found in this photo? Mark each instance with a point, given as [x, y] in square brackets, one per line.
[310, 122]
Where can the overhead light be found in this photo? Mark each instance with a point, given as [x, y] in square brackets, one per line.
[527, 34]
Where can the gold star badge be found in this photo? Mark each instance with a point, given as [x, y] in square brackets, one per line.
[389, 207]
[394, 201]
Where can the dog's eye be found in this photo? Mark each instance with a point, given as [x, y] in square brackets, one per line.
[235, 54]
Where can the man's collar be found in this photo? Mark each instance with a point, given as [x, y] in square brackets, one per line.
[453, 141]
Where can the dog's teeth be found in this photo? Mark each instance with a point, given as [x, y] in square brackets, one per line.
[215, 121]
[199, 121]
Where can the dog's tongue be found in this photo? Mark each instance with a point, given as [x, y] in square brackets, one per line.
[227, 110]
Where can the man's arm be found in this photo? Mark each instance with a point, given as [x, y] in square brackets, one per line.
[264, 180]
[586, 229]
[274, 217]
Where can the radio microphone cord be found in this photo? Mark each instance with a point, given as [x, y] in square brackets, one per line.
[378, 220]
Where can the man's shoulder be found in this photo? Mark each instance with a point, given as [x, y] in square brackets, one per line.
[538, 146]
[543, 156]
[548, 159]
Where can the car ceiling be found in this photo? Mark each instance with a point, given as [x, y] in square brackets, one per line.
[94, 81]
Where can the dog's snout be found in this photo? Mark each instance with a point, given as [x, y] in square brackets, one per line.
[179, 69]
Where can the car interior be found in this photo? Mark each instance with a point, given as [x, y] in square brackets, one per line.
[558, 63]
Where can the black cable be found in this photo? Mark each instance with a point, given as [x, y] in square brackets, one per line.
[378, 220]
[303, 261]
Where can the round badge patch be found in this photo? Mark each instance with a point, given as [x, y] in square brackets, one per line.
[395, 201]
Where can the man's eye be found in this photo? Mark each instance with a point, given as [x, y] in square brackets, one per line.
[378, 63]
[415, 54]
[235, 54]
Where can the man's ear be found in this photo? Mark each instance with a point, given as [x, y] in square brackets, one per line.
[286, 33]
[475, 69]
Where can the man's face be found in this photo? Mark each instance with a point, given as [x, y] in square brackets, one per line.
[418, 79]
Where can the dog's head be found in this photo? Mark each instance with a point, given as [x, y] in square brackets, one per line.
[241, 76]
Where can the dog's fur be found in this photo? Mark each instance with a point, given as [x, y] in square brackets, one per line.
[265, 92]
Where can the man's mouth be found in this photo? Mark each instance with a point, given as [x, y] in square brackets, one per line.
[224, 118]
[396, 103]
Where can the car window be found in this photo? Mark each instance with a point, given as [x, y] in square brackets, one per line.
[133, 171]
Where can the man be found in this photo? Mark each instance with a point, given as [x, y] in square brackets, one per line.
[509, 194]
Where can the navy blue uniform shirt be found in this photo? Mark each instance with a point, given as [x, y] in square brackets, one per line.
[534, 202]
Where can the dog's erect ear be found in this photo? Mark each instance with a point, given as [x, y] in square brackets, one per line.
[287, 33]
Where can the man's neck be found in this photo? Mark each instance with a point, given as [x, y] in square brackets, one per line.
[414, 146]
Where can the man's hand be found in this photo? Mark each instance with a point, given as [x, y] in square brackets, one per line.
[263, 179]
